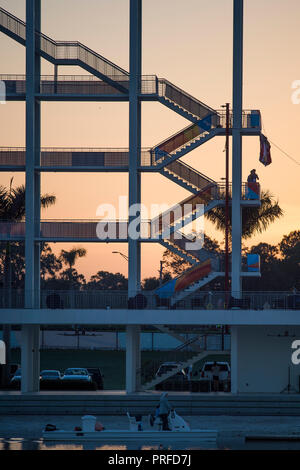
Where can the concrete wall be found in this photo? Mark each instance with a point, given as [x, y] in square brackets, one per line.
[263, 358]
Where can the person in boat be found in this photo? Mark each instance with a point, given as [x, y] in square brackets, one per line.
[164, 410]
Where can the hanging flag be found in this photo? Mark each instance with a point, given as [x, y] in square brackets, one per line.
[265, 151]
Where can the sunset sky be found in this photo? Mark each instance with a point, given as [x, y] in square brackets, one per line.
[189, 43]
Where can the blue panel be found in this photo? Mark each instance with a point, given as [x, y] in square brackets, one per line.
[254, 119]
[253, 263]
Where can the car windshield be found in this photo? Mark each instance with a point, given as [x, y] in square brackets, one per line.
[76, 372]
[223, 367]
[167, 368]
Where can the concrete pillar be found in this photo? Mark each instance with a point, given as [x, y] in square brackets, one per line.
[134, 249]
[237, 147]
[30, 372]
[234, 359]
[133, 353]
[30, 358]
[132, 358]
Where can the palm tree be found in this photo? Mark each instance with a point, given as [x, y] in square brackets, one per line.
[70, 257]
[12, 209]
[254, 219]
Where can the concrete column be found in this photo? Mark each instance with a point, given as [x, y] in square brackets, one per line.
[234, 359]
[237, 147]
[132, 357]
[30, 358]
[30, 372]
[134, 138]
[133, 353]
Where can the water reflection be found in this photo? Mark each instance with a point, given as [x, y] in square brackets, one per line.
[27, 444]
[234, 444]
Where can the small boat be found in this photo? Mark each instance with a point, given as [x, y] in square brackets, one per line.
[179, 431]
[117, 435]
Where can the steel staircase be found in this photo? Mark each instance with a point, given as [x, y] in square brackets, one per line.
[67, 53]
[186, 211]
[189, 362]
[206, 124]
[181, 144]
[191, 342]
[186, 176]
[194, 287]
[184, 104]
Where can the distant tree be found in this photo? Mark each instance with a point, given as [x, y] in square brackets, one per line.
[290, 246]
[270, 268]
[50, 263]
[254, 219]
[69, 257]
[71, 278]
[152, 283]
[105, 280]
[280, 265]
[12, 209]
[290, 251]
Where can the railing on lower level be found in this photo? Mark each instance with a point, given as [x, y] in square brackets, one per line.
[100, 299]
[73, 157]
[117, 229]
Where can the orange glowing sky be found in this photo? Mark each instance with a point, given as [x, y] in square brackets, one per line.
[190, 43]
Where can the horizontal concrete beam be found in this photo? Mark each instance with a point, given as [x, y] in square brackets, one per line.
[148, 317]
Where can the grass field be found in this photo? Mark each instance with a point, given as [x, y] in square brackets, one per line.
[111, 363]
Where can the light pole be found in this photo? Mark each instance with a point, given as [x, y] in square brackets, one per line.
[122, 254]
[160, 272]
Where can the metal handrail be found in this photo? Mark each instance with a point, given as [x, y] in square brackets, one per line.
[163, 81]
[53, 52]
[189, 174]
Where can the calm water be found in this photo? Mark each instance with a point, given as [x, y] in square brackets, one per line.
[27, 444]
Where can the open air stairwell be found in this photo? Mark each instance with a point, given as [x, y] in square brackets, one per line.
[186, 176]
[189, 362]
[183, 142]
[192, 343]
[67, 53]
[184, 104]
[186, 211]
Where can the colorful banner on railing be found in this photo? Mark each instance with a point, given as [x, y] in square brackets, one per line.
[185, 280]
[253, 191]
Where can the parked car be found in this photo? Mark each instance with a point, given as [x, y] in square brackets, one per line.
[97, 376]
[224, 370]
[224, 376]
[178, 381]
[79, 374]
[77, 377]
[15, 381]
[50, 376]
